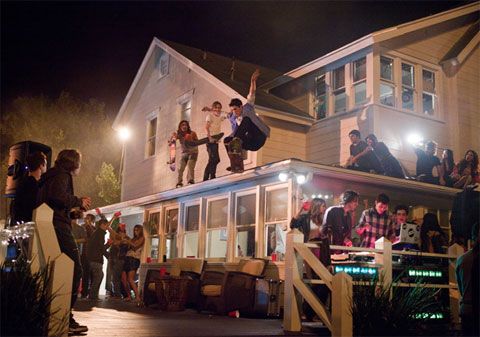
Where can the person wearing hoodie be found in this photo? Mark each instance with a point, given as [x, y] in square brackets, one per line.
[56, 190]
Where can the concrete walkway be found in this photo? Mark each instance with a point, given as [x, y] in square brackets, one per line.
[118, 318]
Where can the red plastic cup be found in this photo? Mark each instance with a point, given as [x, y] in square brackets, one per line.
[149, 259]
[163, 271]
[234, 314]
[274, 256]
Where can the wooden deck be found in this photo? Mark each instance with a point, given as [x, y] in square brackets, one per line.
[112, 318]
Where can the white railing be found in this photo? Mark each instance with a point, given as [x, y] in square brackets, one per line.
[339, 320]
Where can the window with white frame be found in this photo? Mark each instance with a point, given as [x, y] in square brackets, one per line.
[428, 94]
[321, 98]
[171, 226]
[245, 213]
[276, 221]
[408, 86]
[339, 94]
[151, 137]
[163, 64]
[387, 87]
[190, 241]
[217, 218]
[152, 229]
[186, 110]
[359, 76]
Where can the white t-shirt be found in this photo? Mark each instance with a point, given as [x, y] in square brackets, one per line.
[314, 231]
[215, 123]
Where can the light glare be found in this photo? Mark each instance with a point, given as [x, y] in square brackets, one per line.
[124, 133]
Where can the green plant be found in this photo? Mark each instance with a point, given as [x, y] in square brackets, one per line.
[25, 300]
[376, 313]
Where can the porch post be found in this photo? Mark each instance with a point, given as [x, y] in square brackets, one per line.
[342, 322]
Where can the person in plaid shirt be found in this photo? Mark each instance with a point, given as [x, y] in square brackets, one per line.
[375, 222]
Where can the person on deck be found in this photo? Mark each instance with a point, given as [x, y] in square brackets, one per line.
[362, 157]
[426, 162]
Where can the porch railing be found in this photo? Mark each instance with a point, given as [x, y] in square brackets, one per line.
[339, 319]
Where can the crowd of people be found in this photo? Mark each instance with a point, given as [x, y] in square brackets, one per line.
[374, 157]
[336, 223]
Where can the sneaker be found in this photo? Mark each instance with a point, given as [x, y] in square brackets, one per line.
[75, 327]
[179, 185]
[191, 182]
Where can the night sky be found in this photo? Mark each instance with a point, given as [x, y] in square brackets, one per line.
[94, 49]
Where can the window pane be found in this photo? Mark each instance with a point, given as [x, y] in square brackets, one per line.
[152, 128]
[246, 206]
[192, 217]
[428, 81]
[408, 76]
[360, 92]
[386, 68]
[407, 98]
[359, 69]
[428, 103]
[171, 225]
[154, 248]
[320, 86]
[216, 243]
[321, 107]
[276, 236]
[340, 100]
[153, 223]
[245, 241]
[151, 147]
[217, 213]
[386, 95]
[339, 78]
[190, 245]
[276, 205]
[186, 109]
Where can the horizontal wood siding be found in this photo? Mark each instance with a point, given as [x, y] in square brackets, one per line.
[469, 103]
[286, 141]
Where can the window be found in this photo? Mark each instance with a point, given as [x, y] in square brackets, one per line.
[340, 96]
[320, 101]
[186, 110]
[428, 94]
[386, 68]
[171, 225]
[245, 212]
[192, 216]
[359, 76]
[151, 137]
[217, 217]
[408, 86]
[163, 64]
[152, 229]
[276, 224]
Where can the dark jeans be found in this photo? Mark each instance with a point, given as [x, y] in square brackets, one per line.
[108, 277]
[69, 247]
[85, 275]
[117, 268]
[251, 136]
[96, 274]
[213, 160]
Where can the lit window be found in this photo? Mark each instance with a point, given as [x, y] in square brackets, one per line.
[359, 68]
[245, 225]
[276, 225]
[163, 63]
[428, 95]
[320, 103]
[408, 86]
[192, 216]
[340, 96]
[186, 110]
[171, 225]
[152, 228]
[217, 217]
[151, 137]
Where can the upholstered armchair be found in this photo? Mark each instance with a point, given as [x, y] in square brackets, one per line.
[191, 268]
[232, 290]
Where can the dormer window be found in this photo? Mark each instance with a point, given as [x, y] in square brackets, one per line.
[340, 97]
[163, 64]
[359, 76]
[320, 101]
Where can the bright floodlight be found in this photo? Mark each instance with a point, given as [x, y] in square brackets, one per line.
[326, 196]
[415, 139]
[301, 179]
[283, 176]
[124, 133]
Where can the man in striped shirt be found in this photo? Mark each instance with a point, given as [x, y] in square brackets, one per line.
[375, 222]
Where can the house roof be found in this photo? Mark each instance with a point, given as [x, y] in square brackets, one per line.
[218, 70]
[376, 37]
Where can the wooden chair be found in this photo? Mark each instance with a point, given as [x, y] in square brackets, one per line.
[232, 290]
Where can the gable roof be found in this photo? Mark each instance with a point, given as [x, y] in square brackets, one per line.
[376, 37]
[218, 70]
